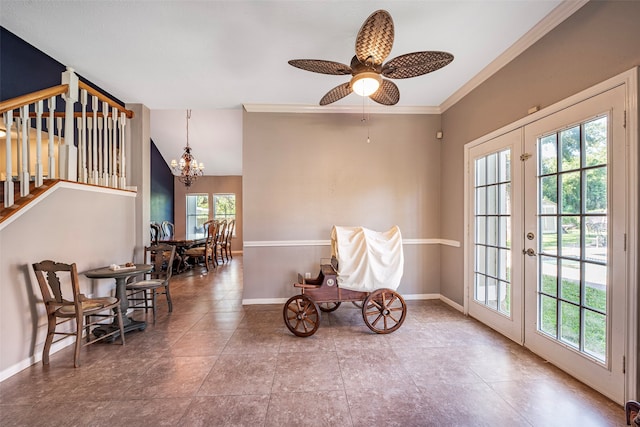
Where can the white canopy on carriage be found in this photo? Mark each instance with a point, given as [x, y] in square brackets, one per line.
[367, 259]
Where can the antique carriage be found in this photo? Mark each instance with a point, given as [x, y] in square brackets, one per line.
[365, 269]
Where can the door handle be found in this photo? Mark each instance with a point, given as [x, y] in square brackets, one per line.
[529, 252]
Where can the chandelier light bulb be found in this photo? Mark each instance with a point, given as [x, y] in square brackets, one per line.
[366, 83]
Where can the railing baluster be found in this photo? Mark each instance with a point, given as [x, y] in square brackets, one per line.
[105, 144]
[82, 143]
[114, 148]
[24, 172]
[60, 143]
[94, 168]
[51, 130]
[123, 174]
[38, 171]
[8, 182]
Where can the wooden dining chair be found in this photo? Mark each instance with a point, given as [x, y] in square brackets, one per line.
[206, 252]
[231, 226]
[167, 229]
[53, 278]
[143, 293]
[219, 245]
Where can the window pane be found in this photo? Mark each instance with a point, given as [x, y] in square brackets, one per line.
[492, 293]
[492, 168]
[570, 324]
[481, 200]
[505, 297]
[480, 259]
[548, 315]
[480, 288]
[492, 230]
[548, 155]
[492, 199]
[570, 148]
[549, 275]
[595, 141]
[504, 194]
[595, 286]
[492, 262]
[505, 166]
[595, 190]
[549, 194]
[197, 215]
[481, 171]
[504, 269]
[481, 229]
[504, 239]
[596, 238]
[549, 242]
[570, 280]
[595, 334]
[570, 190]
[570, 236]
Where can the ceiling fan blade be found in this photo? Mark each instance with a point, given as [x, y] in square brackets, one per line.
[387, 94]
[321, 66]
[375, 38]
[415, 64]
[336, 94]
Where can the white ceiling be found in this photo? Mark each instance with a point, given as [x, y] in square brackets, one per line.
[215, 56]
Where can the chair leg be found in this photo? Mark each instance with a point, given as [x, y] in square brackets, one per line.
[120, 324]
[47, 343]
[76, 353]
[153, 309]
[168, 294]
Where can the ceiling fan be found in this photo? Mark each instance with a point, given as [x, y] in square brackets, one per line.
[373, 45]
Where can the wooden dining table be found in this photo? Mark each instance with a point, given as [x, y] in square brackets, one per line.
[121, 274]
[181, 246]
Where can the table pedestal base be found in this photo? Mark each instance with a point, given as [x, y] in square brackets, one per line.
[129, 325]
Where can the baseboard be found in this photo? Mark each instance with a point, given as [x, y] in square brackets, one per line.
[451, 303]
[35, 358]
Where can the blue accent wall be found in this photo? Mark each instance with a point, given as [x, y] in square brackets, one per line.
[25, 69]
[162, 194]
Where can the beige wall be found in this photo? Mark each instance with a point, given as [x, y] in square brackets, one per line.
[599, 41]
[209, 185]
[304, 173]
[75, 223]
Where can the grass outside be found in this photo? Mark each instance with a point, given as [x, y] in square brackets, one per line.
[595, 323]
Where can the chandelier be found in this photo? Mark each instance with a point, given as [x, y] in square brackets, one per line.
[187, 169]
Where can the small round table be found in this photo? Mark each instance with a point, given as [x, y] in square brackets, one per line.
[120, 275]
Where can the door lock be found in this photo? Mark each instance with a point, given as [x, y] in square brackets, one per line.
[530, 236]
[529, 252]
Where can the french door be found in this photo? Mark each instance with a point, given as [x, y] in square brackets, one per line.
[495, 223]
[546, 261]
[574, 220]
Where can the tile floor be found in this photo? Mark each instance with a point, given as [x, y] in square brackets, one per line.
[213, 362]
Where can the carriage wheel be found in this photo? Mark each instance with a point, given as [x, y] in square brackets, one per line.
[384, 311]
[301, 315]
[328, 307]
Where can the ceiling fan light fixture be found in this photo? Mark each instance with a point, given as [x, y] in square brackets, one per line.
[366, 83]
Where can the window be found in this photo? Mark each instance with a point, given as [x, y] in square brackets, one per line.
[224, 207]
[197, 215]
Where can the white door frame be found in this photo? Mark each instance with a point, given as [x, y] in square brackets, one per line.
[630, 80]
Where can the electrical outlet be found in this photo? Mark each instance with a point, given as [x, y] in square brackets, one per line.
[307, 275]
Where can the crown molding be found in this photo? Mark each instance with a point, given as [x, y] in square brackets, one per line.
[353, 109]
[548, 23]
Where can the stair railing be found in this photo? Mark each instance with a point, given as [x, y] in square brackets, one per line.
[86, 146]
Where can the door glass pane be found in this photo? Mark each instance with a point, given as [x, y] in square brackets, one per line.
[548, 315]
[570, 190]
[570, 323]
[548, 154]
[595, 141]
[570, 148]
[595, 190]
[572, 220]
[493, 231]
[570, 236]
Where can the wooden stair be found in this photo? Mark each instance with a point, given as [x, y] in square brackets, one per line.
[21, 202]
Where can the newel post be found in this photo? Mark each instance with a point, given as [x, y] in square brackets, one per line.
[68, 153]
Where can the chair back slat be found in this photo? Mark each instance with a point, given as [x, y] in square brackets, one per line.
[49, 282]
